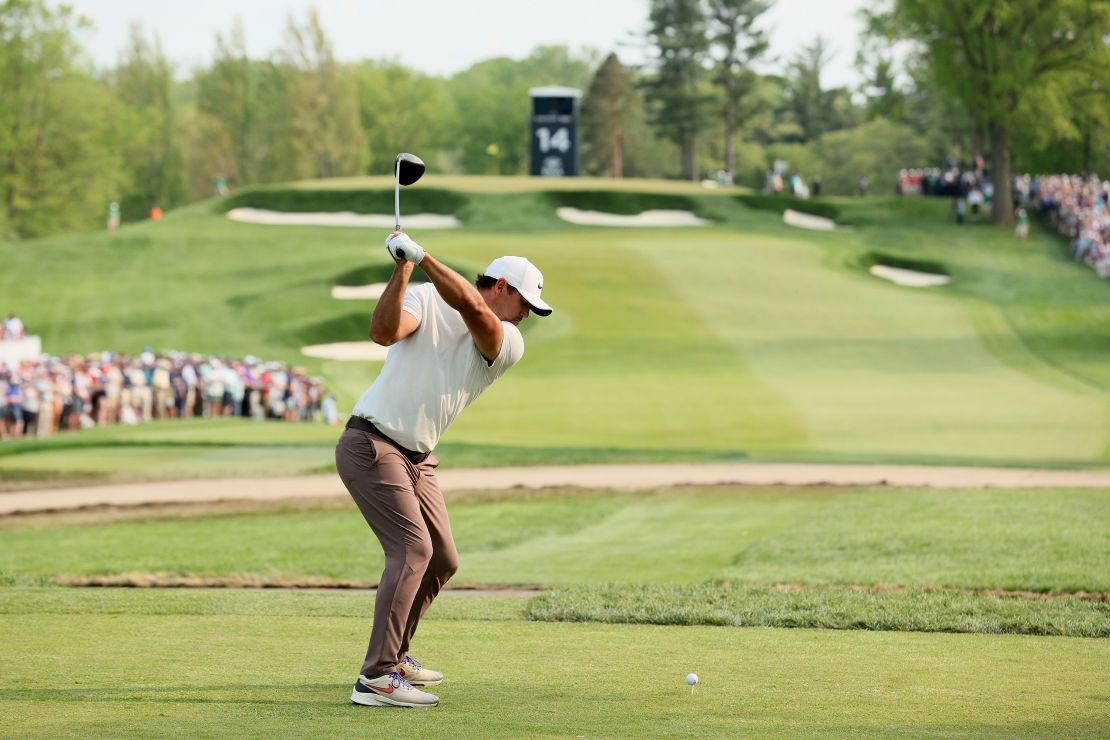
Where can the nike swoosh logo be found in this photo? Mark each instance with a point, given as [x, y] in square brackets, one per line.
[386, 690]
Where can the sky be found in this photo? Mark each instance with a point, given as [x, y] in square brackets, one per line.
[442, 37]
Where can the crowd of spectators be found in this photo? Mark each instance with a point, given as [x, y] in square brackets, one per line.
[12, 329]
[970, 189]
[1078, 207]
[42, 397]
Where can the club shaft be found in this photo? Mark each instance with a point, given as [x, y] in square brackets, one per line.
[397, 198]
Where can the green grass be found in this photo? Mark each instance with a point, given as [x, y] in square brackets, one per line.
[780, 203]
[1034, 540]
[728, 604]
[260, 664]
[293, 200]
[743, 340]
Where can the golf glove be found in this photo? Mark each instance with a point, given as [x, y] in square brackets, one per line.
[401, 247]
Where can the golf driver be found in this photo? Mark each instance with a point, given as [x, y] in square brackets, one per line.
[408, 170]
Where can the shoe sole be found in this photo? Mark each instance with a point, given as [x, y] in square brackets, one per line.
[426, 683]
[373, 700]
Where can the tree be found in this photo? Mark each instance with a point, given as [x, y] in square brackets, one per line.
[491, 103]
[884, 98]
[677, 32]
[738, 43]
[241, 115]
[153, 149]
[608, 111]
[59, 166]
[401, 110]
[939, 120]
[810, 104]
[324, 136]
[999, 56]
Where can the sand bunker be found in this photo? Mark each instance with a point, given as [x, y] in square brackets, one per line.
[807, 221]
[370, 292]
[342, 218]
[647, 218]
[908, 278]
[357, 351]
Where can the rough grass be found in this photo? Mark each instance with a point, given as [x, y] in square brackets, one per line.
[729, 604]
[865, 559]
[779, 203]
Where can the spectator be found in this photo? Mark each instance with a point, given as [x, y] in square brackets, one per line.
[975, 199]
[13, 328]
[1078, 208]
[1021, 223]
[113, 217]
[52, 394]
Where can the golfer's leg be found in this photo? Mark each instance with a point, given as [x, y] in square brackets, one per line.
[445, 558]
[381, 481]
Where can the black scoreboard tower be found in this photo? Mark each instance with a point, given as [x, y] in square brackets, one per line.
[556, 149]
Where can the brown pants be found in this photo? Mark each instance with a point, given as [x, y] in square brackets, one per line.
[402, 503]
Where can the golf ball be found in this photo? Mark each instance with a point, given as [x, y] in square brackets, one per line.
[691, 678]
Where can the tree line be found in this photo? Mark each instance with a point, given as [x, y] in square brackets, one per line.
[1020, 80]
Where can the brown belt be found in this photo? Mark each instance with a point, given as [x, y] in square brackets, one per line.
[364, 425]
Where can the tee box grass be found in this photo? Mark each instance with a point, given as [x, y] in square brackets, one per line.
[122, 664]
[652, 586]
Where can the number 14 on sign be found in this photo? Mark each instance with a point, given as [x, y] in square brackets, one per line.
[560, 140]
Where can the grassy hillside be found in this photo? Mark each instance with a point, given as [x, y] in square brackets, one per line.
[746, 339]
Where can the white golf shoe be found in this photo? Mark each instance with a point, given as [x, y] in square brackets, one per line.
[416, 674]
[390, 690]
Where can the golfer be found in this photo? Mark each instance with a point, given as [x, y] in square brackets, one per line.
[449, 340]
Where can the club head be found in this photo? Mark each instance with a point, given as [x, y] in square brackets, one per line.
[409, 168]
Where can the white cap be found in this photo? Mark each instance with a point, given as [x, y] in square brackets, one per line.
[524, 276]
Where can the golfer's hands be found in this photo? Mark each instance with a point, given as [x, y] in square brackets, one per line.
[402, 248]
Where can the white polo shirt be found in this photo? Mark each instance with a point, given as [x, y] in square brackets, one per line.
[433, 374]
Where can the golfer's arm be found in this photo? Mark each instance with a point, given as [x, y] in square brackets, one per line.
[460, 295]
[390, 323]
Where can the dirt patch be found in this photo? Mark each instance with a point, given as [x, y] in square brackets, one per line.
[305, 583]
[621, 477]
[312, 583]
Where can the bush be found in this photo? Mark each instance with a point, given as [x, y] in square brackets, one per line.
[877, 149]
